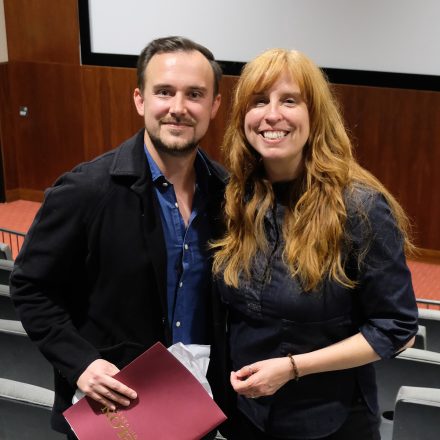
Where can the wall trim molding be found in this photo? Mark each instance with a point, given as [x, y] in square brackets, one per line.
[24, 194]
[426, 255]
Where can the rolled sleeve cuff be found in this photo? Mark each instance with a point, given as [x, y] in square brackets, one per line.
[382, 344]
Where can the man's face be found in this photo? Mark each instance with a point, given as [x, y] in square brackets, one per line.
[178, 101]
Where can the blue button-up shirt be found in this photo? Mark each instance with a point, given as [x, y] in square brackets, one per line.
[187, 255]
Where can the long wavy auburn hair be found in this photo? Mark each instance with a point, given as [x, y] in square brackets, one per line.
[313, 227]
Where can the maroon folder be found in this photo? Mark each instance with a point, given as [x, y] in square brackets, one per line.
[171, 404]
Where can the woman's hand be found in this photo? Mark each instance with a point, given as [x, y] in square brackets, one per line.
[262, 378]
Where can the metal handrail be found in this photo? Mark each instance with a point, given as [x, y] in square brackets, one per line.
[429, 302]
[13, 239]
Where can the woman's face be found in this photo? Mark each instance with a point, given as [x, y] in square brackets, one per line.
[277, 126]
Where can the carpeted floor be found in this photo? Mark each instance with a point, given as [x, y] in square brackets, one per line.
[426, 279]
[18, 216]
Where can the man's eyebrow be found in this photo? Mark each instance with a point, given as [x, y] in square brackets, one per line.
[162, 86]
[201, 88]
[169, 86]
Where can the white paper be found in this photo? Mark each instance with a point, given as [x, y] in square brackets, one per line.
[196, 359]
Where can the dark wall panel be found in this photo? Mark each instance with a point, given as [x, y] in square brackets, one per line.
[49, 141]
[109, 114]
[10, 172]
[42, 30]
[213, 138]
[397, 135]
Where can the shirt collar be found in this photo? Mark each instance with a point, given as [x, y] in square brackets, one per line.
[156, 173]
[200, 165]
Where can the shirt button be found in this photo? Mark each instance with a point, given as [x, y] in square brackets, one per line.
[165, 184]
[186, 247]
[178, 324]
[181, 284]
[176, 205]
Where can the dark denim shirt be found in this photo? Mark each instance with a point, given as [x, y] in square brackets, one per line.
[271, 316]
[188, 269]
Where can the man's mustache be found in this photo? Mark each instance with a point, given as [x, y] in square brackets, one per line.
[188, 122]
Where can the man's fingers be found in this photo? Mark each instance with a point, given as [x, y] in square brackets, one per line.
[102, 400]
[113, 390]
[97, 382]
[110, 395]
[120, 388]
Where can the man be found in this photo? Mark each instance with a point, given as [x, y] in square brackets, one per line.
[117, 256]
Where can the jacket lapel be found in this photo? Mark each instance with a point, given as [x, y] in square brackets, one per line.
[131, 164]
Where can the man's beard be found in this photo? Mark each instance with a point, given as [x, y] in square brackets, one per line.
[173, 150]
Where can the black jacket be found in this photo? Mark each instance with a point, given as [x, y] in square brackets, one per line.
[90, 280]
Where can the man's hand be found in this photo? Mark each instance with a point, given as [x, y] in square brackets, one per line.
[97, 382]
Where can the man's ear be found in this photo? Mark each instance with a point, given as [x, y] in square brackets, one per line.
[215, 105]
[138, 101]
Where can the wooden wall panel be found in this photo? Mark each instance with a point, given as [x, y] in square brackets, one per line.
[49, 140]
[397, 133]
[109, 113]
[212, 141]
[42, 30]
[10, 171]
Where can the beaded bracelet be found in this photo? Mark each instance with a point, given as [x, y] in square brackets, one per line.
[294, 366]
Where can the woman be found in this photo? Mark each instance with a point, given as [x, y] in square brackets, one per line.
[312, 266]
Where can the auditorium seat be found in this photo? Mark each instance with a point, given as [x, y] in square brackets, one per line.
[20, 358]
[7, 310]
[5, 252]
[412, 367]
[430, 318]
[420, 341]
[25, 412]
[5, 270]
[417, 414]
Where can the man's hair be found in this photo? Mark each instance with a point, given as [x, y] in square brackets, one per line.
[175, 44]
